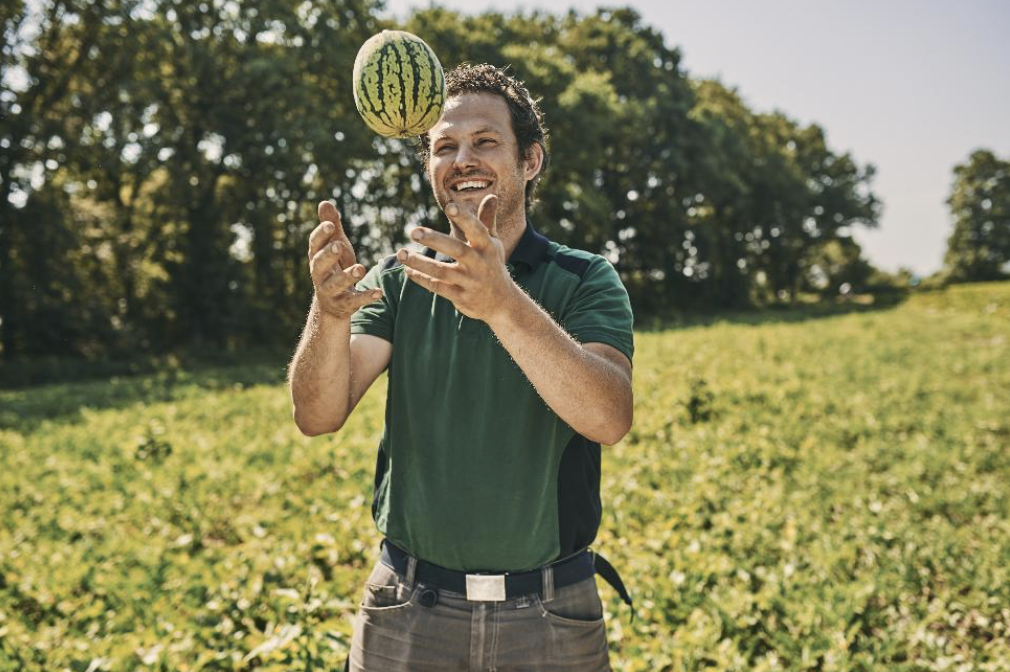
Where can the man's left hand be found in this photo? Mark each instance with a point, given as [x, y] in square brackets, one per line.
[478, 284]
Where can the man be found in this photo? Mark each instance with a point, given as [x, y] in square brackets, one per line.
[509, 360]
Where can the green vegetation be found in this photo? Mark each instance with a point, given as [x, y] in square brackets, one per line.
[799, 491]
[979, 246]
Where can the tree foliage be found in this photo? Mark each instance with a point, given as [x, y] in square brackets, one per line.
[979, 246]
[162, 161]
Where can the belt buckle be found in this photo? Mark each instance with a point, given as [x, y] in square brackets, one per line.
[485, 587]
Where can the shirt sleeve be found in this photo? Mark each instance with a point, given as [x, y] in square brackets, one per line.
[600, 310]
[379, 317]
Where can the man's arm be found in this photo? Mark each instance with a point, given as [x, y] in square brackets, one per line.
[588, 386]
[331, 370]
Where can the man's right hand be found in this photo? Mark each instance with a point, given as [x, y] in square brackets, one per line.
[334, 268]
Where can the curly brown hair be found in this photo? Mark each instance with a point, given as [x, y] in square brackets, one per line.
[527, 118]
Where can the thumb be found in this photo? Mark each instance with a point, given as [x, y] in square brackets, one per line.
[487, 213]
[366, 297]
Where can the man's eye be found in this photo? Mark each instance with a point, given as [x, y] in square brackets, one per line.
[485, 141]
[442, 149]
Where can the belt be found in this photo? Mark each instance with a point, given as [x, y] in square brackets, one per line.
[499, 586]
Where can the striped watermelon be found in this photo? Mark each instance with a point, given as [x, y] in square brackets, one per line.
[399, 86]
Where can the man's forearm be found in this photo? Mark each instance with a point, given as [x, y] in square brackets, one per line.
[320, 373]
[588, 392]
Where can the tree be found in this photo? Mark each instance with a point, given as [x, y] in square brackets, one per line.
[46, 46]
[775, 195]
[979, 246]
[837, 267]
[161, 163]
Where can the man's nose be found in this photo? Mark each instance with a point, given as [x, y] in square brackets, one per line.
[465, 158]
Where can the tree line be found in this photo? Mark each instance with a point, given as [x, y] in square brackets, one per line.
[162, 160]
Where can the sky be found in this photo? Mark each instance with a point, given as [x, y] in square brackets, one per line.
[912, 87]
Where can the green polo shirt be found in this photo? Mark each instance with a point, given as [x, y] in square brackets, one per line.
[474, 471]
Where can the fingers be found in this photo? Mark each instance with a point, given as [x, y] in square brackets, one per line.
[328, 213]
[487, 213]
[346, 303]
[447, 245]
[333, 265]
[476, 233]
[358, 299]
[341, 280]
[430, 267]
[332, 258]
[337, 292]
[331, 229]
[319, 237]
[434, 285]
[322, 246]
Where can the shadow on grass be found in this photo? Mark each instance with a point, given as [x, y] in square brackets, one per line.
[769, 315]
[59, 391]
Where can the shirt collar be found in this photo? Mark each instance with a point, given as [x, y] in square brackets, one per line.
[530, 250]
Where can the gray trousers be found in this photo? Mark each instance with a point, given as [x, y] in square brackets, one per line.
[395, 630]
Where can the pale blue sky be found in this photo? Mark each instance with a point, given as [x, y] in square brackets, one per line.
[909, 86]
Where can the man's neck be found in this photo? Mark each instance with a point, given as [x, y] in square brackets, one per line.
[510, 234]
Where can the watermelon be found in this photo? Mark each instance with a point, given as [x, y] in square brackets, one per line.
[399, 86]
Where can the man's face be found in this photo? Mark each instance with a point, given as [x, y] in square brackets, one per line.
[474, 152]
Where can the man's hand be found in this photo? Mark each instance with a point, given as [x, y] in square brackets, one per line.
[478, 283]
[334, 268]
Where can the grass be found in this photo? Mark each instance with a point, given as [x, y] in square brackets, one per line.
[798, 492]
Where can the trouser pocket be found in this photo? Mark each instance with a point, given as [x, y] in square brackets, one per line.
[577, 604]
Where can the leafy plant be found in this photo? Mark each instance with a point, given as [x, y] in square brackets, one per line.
[836, 500]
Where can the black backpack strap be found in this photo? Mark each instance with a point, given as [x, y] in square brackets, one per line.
[610, 575]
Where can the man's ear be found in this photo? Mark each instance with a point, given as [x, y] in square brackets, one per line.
[534, 160]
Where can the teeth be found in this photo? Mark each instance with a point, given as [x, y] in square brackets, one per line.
[473, 184]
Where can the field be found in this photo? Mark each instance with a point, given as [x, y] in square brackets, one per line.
[799, 491]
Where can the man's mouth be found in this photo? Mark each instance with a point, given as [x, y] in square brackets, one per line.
[464, 186]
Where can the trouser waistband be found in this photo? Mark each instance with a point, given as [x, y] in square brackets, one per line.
[497, 586]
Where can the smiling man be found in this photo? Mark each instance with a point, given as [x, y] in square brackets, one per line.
[509, 361]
